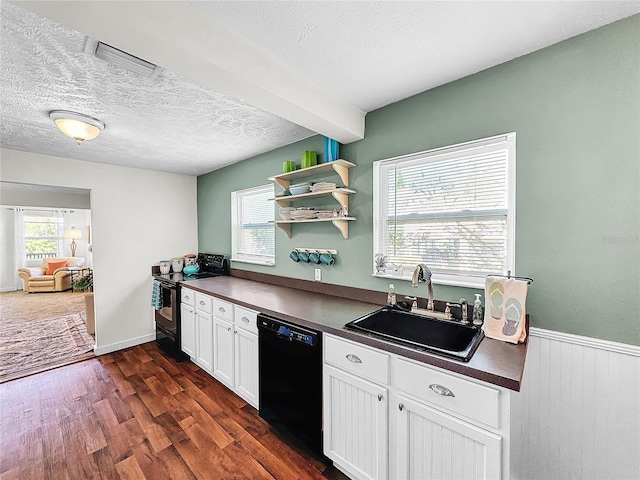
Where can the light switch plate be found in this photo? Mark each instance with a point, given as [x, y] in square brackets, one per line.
[318, 275]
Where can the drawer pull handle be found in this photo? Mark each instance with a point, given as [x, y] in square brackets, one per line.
[441, 390]
[201, 302]
[186, 297]
[379, 397]
[400, 406]
[228, 329]
[245, 319]
[221, 310]
[353, 358]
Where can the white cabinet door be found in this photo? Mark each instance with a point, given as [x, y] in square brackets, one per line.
[223, 351]
[434, 445]
[204, 340]
[355, 424]
[246, 365]
[188, 329]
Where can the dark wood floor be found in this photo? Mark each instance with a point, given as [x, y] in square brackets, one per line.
[136, 414]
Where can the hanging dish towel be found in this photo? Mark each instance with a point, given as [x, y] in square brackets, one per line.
[156, 295]
[505, 313]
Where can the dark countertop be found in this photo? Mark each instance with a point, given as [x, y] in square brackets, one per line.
[494, 362]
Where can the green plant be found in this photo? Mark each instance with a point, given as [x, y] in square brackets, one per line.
[83, 283]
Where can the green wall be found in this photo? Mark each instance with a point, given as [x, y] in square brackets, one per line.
[575, 107]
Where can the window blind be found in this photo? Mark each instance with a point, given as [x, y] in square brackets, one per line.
[253, 233]
[449, 208]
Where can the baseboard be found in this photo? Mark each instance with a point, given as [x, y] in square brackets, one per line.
[9, 289]
[114, 347]
[597, 343]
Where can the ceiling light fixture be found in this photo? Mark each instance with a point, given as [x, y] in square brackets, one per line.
[76, 125]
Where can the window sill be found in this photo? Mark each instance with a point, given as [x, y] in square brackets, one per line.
[439, 279]
[255, 262]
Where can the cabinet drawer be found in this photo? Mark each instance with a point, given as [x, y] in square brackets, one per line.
[245, 319]
[203, 302]
[188, 296]
[222, 309]
[470, 399]
[357, 359]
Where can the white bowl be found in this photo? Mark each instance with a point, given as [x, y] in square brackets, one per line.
[299, 190]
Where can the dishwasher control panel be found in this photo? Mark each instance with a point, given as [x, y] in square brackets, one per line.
[294, 333]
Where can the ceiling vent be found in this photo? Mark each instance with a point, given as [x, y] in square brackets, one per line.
[121, 59]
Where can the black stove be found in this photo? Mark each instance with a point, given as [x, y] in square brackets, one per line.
[167, 316]
[211, 265]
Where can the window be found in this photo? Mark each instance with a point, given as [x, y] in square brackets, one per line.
[42, 234]
[252, 227]
[451, 208]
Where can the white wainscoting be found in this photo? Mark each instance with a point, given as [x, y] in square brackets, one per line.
[578, 413]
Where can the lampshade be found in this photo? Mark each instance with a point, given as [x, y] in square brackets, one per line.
[72, 233]
[77, 126]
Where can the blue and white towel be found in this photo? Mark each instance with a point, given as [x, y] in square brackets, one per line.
[156, 295]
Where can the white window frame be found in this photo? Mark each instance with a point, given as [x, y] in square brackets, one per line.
[57, 237]
[237, 253]
[441, 278]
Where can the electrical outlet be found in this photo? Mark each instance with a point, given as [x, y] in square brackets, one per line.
[318, 275]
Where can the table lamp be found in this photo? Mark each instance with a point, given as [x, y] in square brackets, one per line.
[72, 233]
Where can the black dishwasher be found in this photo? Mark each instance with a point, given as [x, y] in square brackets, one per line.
[291, 380]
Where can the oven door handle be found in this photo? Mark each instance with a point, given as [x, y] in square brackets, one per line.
[168, 286]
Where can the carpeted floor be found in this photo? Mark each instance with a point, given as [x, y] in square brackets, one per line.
[40, 331]
[24, 307]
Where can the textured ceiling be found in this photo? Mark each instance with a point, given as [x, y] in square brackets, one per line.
[367, 54]
[169, 123]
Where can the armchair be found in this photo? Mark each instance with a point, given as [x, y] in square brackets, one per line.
[39, 279]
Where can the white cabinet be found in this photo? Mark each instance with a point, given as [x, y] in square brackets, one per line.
[222, 338]
[188, 322]
[236, 349]
[448, 427]
[434, 445]
[246, 355]
[188, 326]
[203, 332]
[223, 358]
[223, 341]
[204, 336]
[355, 406]
[355, 424]
[386, 416]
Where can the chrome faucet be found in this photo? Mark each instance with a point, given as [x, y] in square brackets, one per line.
[422, 274]
[464, 305]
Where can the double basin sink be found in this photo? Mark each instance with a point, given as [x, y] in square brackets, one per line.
[443, 337]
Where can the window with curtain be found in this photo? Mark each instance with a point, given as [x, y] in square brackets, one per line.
[42, 233]
[252, 227]
[451, 208]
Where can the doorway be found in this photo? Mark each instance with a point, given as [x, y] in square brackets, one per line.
[44, 325]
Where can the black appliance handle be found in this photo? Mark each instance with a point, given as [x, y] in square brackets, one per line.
[169, 286]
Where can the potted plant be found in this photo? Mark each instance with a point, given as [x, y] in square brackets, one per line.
[83, 283]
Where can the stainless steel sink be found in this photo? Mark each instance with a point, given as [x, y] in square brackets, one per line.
[429, 334]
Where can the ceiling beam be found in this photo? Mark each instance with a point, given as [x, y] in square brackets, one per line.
[184, 39]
